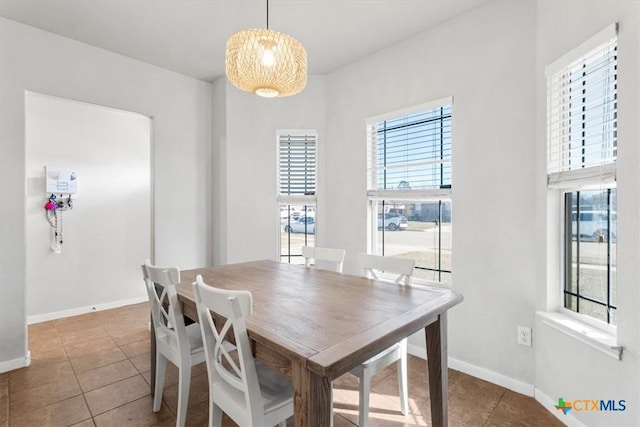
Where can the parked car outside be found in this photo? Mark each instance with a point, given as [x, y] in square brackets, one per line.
[393, 221]
[292, 213]
[594, 225]
[305, 224]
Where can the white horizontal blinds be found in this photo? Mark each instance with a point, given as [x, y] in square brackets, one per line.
[582, 118]
[413, 152]
[297, 164]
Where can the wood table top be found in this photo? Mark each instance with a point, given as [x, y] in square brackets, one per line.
[329, 321]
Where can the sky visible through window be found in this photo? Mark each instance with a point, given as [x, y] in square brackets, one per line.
[414, 151]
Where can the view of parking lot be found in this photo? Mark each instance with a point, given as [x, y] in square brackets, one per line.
[417, 240]
[590, 277]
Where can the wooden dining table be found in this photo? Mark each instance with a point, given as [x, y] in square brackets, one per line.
[313, 326]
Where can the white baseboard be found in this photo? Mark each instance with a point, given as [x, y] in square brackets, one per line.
[547, 402]
[416, 350]
[478, 372]
[20, 362]
[82, 310]
[493, 377]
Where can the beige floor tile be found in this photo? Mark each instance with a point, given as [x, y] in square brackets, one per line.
[382, 408]
[4, 411]
[198, 415]
[126, 325]
[130, 337]
[81, 335]
[77, 323]
[85, 423]
[96, 360]
[44, 342]
[467, 412]
[198, 393]
[99, 377]
[4, 385]
[63, 413]
[43, 328]
[62, 387]
[47, 355]
[117, 394]
[136, 348]
[136, 413]
[84, 347]
[147, 377]
[142, 362]
[418, 387]
[38, 375]
[515, 409]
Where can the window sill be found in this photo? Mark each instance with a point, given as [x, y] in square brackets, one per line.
[589, 335]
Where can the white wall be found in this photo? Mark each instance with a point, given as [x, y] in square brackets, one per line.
[565, 367]
[110, 223]
[38, 61]
[247, 206]
[219, 163]
[486, 61]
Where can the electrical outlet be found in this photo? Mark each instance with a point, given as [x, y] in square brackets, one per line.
[524, 336]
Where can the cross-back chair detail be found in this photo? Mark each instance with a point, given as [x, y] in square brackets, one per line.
[175, 342]
[236, 383]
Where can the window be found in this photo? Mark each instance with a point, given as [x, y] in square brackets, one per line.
[581, 168]
[296, 192]
[409, 187]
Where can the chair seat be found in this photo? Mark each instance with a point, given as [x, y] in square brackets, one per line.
[276, 389]
[277, 394]
[195, 338]
[193, 335]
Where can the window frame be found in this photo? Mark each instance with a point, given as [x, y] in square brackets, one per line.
[375, 195]
[570, 180]
[283, 200]
[564, 233]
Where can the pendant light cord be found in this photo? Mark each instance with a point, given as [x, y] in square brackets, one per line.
[267, 14]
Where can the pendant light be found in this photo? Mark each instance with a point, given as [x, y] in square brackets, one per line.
[266, 62]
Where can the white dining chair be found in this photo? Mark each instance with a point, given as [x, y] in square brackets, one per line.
[175, 342]
[248, 391]
[398, 271]
[324, 258]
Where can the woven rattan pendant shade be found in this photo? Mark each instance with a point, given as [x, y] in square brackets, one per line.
[266, 62]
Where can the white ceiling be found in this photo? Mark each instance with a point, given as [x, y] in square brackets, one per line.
[189, 36]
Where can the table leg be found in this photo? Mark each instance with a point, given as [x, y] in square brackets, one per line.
[152, 355]
[436, 335]
[311, 398]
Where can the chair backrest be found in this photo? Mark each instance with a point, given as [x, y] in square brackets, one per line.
[221, 366]
[166, 313]
[325, 258]
[373, 265]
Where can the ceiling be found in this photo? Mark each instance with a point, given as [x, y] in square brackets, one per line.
[189, 36]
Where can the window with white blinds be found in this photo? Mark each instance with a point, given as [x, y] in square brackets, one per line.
[297, 164]
[411, 152]
[409, 187]
[297, 186]
[582, 150]
[582, 114]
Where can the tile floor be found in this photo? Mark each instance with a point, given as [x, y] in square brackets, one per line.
[93, 370]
